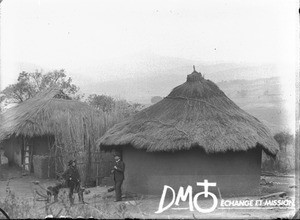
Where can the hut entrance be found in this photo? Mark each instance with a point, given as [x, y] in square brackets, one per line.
[27, 153]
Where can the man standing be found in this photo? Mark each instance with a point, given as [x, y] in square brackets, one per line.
[118, 172]
[72, 178]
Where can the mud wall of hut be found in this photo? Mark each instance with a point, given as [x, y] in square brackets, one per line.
[47, 162]
[12, 150]
[236, 173]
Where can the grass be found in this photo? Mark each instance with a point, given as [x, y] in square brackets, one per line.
[22, 208]
[14, 207]
[100, 207]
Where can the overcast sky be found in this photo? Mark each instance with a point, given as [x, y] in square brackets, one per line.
[58, 34]
[68, 34]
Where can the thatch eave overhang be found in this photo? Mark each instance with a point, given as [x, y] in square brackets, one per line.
[113, 145]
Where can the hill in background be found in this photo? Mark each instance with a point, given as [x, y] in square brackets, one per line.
[255, 88]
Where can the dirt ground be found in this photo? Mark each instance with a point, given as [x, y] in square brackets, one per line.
[100, 202]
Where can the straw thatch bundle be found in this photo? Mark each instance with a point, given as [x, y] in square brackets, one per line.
[195, 114]
[49, 114]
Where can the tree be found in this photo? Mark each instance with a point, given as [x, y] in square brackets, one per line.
[242, 93]
[108, 104]
[156, 99]
[266, 92]
[29, 84]
[2, 97]
[127, 109]
[283, 139]
[101, 102]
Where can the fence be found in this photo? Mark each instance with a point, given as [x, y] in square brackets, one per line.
[98, 167]
[102, 164]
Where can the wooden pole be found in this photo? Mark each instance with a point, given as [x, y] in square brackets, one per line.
[97, 177]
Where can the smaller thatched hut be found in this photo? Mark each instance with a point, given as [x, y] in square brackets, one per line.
[194, 133]
[54, 128]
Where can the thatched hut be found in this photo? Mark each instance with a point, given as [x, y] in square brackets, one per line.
[54, 128]
[194, 133]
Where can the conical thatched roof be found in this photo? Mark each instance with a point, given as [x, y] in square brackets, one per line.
[195, 114]
[51, 112]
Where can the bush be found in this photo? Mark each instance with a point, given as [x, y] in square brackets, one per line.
[242, 93]
[283, 139]
[284, 161]
[156, 99]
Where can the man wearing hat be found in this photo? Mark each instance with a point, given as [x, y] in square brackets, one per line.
[72, 178]
[118, 172]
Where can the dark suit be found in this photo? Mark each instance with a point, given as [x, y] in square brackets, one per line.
[118, 178]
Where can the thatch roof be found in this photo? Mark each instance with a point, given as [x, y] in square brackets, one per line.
[52, 113]
[195, 114]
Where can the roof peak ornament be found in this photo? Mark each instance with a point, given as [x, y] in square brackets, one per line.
[194, 76]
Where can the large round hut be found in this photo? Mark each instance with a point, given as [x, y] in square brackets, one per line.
[194, 133]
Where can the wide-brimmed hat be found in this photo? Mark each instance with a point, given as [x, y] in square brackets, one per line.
[117, 154]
